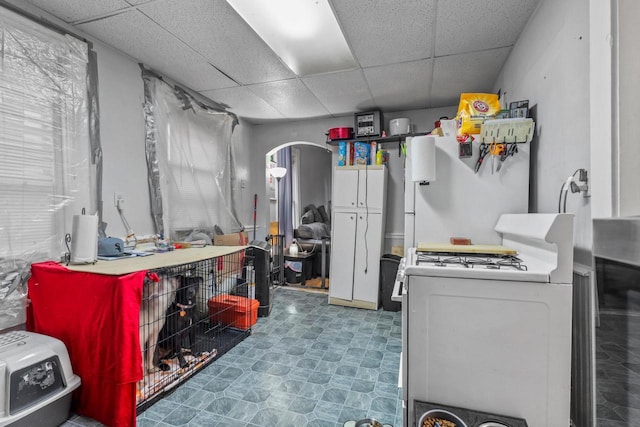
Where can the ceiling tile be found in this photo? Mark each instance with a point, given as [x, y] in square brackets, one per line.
[464, 26]
[139, 37]
[400, 86]
[469, 73]
[76, 10]
[244, 103]
[341, 93]
[214, 29]
[291, 98]
[383, 31]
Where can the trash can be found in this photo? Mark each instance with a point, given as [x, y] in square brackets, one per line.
[293, 272]
[388, 269]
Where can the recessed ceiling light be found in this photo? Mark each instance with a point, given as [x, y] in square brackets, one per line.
[303, 33]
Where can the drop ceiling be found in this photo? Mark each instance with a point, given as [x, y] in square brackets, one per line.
[411, 54]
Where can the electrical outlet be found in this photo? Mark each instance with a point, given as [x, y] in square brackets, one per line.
[118, 198]
[583, 175]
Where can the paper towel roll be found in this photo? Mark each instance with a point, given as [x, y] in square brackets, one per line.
[423, 158]
[84, 239]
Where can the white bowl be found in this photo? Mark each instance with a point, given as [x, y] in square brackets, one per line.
[399, 126]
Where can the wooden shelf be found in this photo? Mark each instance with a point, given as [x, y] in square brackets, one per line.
[379, 140]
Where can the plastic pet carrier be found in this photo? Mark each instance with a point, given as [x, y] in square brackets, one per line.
[36, 372]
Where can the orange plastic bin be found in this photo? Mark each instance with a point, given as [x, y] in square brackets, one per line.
[235, 311]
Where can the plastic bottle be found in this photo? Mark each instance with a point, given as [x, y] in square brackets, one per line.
[379, 156]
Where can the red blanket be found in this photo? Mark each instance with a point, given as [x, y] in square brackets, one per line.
[97, 318]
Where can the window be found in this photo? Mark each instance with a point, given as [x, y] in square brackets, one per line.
[45, 167]
[191, 162]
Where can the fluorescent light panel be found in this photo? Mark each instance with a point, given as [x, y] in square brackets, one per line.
[304, 33]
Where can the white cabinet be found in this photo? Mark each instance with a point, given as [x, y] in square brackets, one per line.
[359, 187]
[357, 236]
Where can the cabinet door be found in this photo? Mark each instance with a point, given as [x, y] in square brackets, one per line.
[371, 188]
[367, 259]
[345, 188]
[343, 246]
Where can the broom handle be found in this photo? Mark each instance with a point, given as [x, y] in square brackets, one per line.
[255, 207]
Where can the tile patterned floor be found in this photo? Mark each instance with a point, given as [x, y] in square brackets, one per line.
[307, 364]
[618, 350]
[618, 370]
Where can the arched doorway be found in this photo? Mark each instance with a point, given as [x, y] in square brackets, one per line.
[307, 181]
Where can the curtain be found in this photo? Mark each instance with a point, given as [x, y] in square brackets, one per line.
[45, 162]
[285, 196]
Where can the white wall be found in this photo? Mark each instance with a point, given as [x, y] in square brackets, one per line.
[269, 136]
[549, 66]
[122, 135]
[602, 131]
[628, 153]
[241, 141]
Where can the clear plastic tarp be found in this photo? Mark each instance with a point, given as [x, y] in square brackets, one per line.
[190, 161]
[46, 169]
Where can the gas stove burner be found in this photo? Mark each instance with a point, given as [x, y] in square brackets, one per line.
[497, 262]
[488, 261]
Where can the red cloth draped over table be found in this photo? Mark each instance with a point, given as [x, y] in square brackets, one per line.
[97, 317]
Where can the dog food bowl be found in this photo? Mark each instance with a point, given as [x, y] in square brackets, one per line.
[443, 415]
[367, 422]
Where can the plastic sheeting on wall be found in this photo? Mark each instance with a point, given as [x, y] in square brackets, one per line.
[190, 161]
[46, 165]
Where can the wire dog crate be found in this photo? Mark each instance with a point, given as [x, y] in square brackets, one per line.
[170, 314]
[189, 316]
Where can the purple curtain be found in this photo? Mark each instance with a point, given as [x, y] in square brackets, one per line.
[285, 202]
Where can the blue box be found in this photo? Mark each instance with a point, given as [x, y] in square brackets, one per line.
[342, 153]
[361, 153]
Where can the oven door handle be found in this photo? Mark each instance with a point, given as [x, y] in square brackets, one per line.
[398, 285]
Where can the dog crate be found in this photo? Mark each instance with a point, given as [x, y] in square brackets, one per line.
[182, 331]
[142, 315]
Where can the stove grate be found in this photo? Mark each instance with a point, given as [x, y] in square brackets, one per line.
[496, 262]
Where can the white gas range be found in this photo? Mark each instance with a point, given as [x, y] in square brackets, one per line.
[492, 332]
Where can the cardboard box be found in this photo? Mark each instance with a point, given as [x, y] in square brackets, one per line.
[230, 265]
[233, 239]
[235, 311]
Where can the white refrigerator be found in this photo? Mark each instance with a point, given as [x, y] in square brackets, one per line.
[461, 202]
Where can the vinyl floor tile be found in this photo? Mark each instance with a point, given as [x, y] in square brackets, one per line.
[306, 364]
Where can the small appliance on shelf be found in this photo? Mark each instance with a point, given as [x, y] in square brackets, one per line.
[368, 124]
